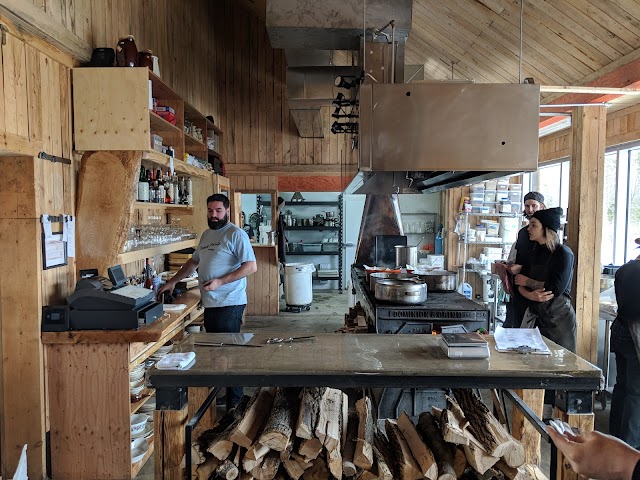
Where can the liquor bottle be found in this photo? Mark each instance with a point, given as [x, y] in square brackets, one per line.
[189, 189]
[168, 188]
[143, 186]
[148, 274]
[159, 195]
[176, 189]
[153, 187]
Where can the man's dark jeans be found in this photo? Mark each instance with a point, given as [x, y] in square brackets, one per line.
[624, 420]
[225, 320]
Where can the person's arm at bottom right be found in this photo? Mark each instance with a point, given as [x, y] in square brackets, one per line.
[597, 455]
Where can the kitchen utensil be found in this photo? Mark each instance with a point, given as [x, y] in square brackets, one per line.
[102, 57]
[210, 344]
[273, 340]
[401, 291]
[384, 252]
[406, 255]
[439, 280]
[374, 277]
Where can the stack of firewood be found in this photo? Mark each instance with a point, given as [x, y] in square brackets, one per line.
[311, 434]
[354, 321]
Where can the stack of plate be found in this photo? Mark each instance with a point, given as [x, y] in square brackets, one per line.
[162, 351]
[136, 379]
[139, 447]
[148, 407]
[146, 433]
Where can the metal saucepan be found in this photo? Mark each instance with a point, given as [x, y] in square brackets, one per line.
[406, 256]
[374, 277]
[401, 291]
[440, 280]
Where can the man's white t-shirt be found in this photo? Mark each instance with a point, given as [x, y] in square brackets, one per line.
[220, 252]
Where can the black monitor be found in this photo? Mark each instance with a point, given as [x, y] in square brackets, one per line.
[117, 276]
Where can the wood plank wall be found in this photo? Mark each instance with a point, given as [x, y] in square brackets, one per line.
[35, 105]
[622, 126]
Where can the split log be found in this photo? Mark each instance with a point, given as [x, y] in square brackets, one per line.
[198, 455]
[363, 456]
[227, 470]
[303, 461]
[431, 434]
[310, 449]
[349, 445]
[293, 467]
[329, 419]
[491, 474]
[269, 467]
[334, 460]
[309, 411]
[256, 451]
[420, 451]
[206, 468]
[382, 452]
[480, 460]
[345, 418]
[460, 462]
[256, 413]
[216, 441]
[519, 473]
[246, 476]
[405, 466]
[317, 471]
[493, 437]
[278, 427]
[453, 424]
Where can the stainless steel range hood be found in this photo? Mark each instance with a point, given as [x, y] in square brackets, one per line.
[432, 136]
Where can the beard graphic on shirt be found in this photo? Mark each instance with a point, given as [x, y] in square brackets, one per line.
[215, 224]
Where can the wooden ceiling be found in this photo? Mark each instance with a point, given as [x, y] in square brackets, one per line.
[565, 42]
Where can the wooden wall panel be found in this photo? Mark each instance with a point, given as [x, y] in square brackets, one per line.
[35, 99]
[622, 126]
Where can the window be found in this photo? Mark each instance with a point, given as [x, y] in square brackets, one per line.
[621, 209]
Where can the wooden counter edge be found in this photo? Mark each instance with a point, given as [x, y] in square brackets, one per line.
[148, 333]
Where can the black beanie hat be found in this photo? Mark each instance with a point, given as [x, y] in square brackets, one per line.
[537, 196]
[549, 218]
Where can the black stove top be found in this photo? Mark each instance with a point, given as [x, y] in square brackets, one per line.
[440, 309]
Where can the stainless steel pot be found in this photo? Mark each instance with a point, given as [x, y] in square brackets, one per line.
[401, 291]
[440, 280]
[406, 256]
[374, 277]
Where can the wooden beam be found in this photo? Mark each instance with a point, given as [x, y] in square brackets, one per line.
[283, 170]
[584, 235]
[523, 430]
[15, 145]
[37, 22]
[593, 90]
[312, 183]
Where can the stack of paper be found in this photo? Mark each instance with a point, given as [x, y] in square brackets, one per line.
[520, 340]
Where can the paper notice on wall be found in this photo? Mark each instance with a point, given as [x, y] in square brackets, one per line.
[54, 252]
[70, 229]
[46, 225]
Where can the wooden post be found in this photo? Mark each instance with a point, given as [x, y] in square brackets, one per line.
[197, 396]
[585, 222]
[522, 429]
[168, 438]
[585, 422]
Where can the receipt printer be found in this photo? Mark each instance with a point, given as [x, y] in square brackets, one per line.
[122, 307]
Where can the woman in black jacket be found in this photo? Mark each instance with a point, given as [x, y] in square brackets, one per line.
[546, 280]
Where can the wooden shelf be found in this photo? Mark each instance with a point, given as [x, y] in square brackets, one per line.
[213, 153]
[164, 206]
[136, 467]
[211, 126]
[193, 143]
[160, 90]
[153, 251]
[159, 124]
[180, 166]
[135, 406]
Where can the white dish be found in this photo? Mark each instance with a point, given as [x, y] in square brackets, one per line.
[146, 433]
[138, 421]
[136, 390]
[139, 447]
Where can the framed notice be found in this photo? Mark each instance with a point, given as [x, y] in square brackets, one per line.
[54, 251]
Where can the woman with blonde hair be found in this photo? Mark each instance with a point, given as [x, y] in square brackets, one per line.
[546, 280]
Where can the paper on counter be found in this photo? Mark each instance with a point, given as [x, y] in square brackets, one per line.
[520, 340]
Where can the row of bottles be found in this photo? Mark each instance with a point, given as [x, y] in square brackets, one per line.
[163, 187]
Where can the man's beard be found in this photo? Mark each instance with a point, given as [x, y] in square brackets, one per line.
[218, 224]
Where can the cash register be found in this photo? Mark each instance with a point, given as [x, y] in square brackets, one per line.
[93, 306]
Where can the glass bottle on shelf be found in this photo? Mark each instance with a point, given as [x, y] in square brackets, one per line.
[148, 274]
[153, 186]
[143, 186]
[189, 191]
[161, 194]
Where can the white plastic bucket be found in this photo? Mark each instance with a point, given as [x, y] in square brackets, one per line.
[298, 287]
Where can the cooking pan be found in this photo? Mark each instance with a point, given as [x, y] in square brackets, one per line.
[401, 291]
[374, 277]
[439, 280]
